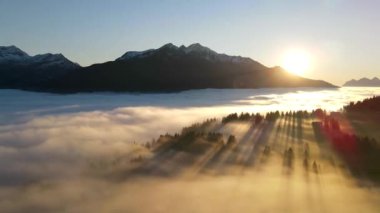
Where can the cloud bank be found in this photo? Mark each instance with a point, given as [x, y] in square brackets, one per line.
[52, 159]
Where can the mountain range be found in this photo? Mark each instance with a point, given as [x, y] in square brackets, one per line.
[363, 82]
[20, 70]
[168, 68]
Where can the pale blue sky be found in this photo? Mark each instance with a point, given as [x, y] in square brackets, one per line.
[342, 36]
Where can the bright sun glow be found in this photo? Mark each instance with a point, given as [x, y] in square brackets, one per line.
[296, 62]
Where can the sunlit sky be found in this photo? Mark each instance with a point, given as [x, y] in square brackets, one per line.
[341, 37]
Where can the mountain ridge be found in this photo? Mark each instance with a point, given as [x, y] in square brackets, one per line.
[165, 69]
[19, 70]
[195, 48]
[363, 82]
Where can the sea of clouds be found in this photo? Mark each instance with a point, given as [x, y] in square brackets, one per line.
[50, 143]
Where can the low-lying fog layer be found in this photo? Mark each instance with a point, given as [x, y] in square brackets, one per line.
[48, 141]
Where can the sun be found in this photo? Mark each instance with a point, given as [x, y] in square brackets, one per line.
[296, 61]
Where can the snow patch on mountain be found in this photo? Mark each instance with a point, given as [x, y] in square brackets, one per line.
[15, 56]
[193, 49]
[135, 54]
[12, 53]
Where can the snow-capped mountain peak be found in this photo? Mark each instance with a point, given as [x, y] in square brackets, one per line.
[210, 54]
[12, 53]
[169, 46]
[49, 57]
[135, 54]
[49, 60]
[195, 49]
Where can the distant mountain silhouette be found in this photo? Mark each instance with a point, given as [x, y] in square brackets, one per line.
[21, 71]
[363, 82]
[168, 68]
